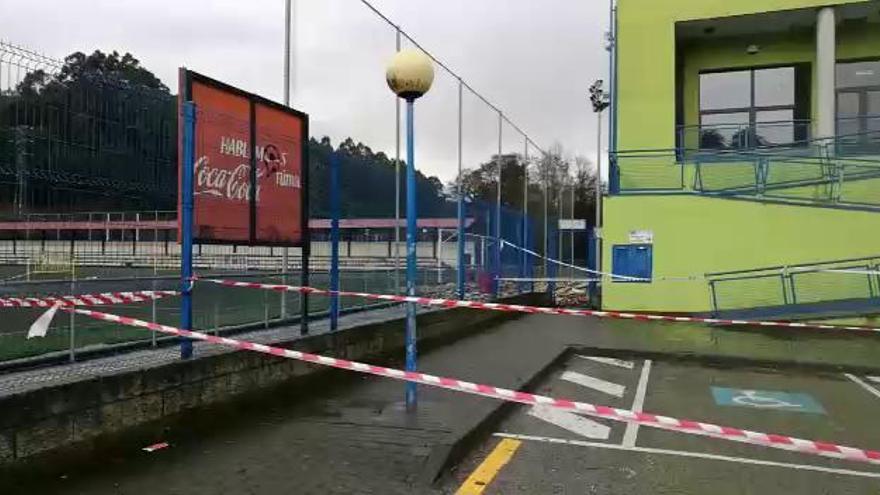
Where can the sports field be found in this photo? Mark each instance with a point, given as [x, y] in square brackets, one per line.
[214, 307]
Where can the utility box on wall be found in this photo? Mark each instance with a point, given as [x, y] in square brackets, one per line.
[632, 260]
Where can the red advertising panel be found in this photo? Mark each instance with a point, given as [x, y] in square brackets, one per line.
[248, 176]
[279, 177]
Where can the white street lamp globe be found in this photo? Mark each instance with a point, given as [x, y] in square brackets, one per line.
[410, 74]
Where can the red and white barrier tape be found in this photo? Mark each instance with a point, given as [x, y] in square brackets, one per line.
[455, 303]
[783, 442]
[102, 299]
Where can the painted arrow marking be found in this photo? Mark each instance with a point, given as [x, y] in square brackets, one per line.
[572, 422]
[594, 383]
[613, 362]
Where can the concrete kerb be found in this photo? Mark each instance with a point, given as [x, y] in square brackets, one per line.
[445, 456]
[45, 420]
[257, 371]
[725, 360]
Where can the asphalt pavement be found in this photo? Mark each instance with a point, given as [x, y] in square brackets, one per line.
[352, 434]
[560, 452]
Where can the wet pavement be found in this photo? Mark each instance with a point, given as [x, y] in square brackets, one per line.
[351, 433]
[568, 453]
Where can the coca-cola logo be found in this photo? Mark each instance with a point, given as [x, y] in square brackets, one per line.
[232, 184]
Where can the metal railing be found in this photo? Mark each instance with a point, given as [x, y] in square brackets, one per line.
[843, 170]
[736, 137]
[826, 179]
[854, 279]
[645, 171]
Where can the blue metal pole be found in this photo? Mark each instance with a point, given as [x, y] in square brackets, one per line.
[530, 261]
[460, 257]
[498, 270]
[411, 232]
[334, 240]
[521, 261]
[487, 267]
[186, 226]
[551, 272]
[460, 272]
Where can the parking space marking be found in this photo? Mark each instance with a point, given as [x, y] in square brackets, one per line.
[574, 423]
[767, 399]
[594, 383]
[632, 429]
[613, 362]
[684, 453]
[871, 390]
[489, 468]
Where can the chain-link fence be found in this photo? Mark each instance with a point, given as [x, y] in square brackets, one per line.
[215, 307]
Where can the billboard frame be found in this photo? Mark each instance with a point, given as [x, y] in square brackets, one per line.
[186, 78]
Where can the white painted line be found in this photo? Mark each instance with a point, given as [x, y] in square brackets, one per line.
[875, 379]
[699, 455]
[613, 362]
[632, 429]
[871, 390]
[588, 381]
[571, 422]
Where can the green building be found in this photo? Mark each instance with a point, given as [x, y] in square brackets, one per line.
[745, 163]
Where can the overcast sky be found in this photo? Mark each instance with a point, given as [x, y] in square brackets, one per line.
[534, 59]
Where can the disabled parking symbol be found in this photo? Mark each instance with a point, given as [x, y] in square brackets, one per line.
[767, 400]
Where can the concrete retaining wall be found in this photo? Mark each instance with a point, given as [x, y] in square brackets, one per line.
[51, 419]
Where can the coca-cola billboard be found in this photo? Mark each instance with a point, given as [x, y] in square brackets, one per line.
[248, 178]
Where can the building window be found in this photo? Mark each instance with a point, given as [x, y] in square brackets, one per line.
[753, 107]
[858, 103]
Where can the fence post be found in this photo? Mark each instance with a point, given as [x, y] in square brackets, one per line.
[714, 298]
[265, 309]
[460, 255]
[521, 260]
[439, 256]
[186, 265]
[216, 318]
[153, 302]
[72, 356]
[785, 298]
[334, 241]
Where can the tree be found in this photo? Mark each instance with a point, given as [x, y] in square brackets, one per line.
[553, 171]
[97, 134]
[97, 67]
[711, 139]
[126, 118]
[367, 183]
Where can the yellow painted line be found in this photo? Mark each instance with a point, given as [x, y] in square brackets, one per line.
[486, 472]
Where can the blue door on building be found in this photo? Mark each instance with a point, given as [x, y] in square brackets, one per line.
[632, 260]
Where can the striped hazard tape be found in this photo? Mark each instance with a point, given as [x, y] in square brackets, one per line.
[782, 442]
[102, 299]
[455, 303]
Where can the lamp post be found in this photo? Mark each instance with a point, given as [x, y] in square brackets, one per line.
[409, 75]
[600, 101]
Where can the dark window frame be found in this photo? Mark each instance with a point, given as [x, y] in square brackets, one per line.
[800, 99]
[862, 93]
